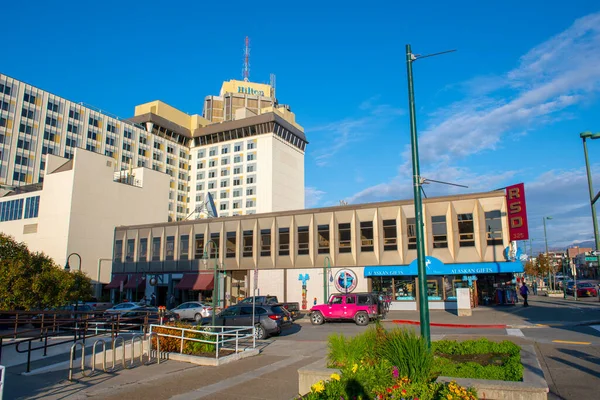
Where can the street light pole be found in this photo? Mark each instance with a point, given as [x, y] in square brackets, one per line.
[68, 269]
[564, 281]
[326, 266]
[593, 198]
[546, 239]
[215, 278]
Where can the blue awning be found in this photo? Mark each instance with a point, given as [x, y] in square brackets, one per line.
[436, 267]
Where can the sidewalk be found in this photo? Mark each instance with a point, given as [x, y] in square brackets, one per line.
[542, 310]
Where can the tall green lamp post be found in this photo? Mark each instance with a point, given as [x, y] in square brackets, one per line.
[593, 198]
[216, 278]
[547, 260]
[326, 268]
[423, 299]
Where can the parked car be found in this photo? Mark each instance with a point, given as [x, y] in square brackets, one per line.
[570, 285]
[136, 317]
[193, 310]
[586, 289]
[360, 307]
[123, 307]
[292, 308]
[268, 319]
[99, 305]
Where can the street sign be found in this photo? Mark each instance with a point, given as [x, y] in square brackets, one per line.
[589, 258]
[596, 253]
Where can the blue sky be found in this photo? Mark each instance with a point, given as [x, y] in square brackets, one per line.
[506, 108]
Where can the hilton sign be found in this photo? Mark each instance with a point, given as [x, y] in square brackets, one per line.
[517, 212]
[249, 90]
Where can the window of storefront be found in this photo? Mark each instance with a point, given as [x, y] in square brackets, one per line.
[170, 248]
[214, 250]
[383, 284]
[265, 242]
[493, 223]
[411, 233]
[231, 244]
[434, 288]
[184, 247]
[248, 244]
[323, 232]
[404, 288]
[303, 240]
[439, 230]
[451, 283]
[345, 232]
[284, 241]
[366, 236]
[390, 235]
[143, 250]
[466, 230]
[199, 246]
[130, 250]
[118, 257]
[156, 249]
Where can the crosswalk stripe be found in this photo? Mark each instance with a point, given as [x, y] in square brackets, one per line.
[514, 332]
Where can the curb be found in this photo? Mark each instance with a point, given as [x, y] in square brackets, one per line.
[470, 326]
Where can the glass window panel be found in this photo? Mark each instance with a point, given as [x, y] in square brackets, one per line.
[345, 233]
[411, 233]
[303, 240]
[323, 235]
[366, 236]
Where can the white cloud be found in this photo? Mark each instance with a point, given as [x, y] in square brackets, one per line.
[312, 196]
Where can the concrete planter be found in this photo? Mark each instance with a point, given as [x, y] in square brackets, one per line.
[555, 294]
[533, 386]
[212, 361]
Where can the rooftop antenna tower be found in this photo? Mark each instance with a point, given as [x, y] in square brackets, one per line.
[246, 70]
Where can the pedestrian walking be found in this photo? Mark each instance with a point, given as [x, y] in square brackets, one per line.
[524, 292]
[172, 302]
[153, 300]
[534, 287]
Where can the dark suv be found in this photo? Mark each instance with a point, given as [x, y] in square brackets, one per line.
[268, 319]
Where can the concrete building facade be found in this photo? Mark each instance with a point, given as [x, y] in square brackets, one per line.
[78, 206]
[296, 255]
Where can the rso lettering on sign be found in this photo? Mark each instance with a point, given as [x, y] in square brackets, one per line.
[517, 212]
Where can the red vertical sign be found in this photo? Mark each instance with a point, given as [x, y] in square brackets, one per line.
[517, 212]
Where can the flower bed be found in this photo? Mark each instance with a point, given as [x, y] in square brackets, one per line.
[173, 345]
[478, 359]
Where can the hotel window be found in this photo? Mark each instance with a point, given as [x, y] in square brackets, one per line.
[224, 183]
[251, 145]
[237, 193]
[411, 233]
[27, 129]
[390, 235]
[212, 163]
[201, 154]
[466, 230]
[366, 236]
[237, 159]
[29, 98]
[143, 250]
[223, 206]
[225, 161]
[118, 256]
[345, 232]
[74, 114]
[250, 192]
[223, 195]
[284, 241]
[211, 185]
[214, 250]
[130, 250]
[323, 235]
[72, 128]
[25, 113]
[224, 172]
[201, 165]
[440, 231]
[52, 106]
[237, 182]
[224, 149]
[303, 240]
[156, 249]
[250, 180]
[237, 170]
[248, 244]
[237, 205]
[94, 122]
[237, 147]
[170, 248]
[212, 152]
[184, 247]
[265, 242]
[51, 121]
[199, 246]
[250, 203]
[250, 157]
[250, 168]
[231, 243]
[4, 88]
[493, 222]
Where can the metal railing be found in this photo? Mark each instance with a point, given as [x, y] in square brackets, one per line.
[222, 337]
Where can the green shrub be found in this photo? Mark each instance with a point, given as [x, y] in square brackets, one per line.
[407, 351]
[173, 344]
[345, 351]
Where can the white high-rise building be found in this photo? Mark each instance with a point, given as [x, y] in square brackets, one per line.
[251, 163]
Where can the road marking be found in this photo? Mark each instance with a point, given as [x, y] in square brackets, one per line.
[515, 332]
[596, 327]
[569, 342]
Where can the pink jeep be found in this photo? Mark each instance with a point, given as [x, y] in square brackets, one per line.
[360, 307]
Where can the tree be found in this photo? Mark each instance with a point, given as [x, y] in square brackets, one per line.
[532, 268]
[33, 281]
